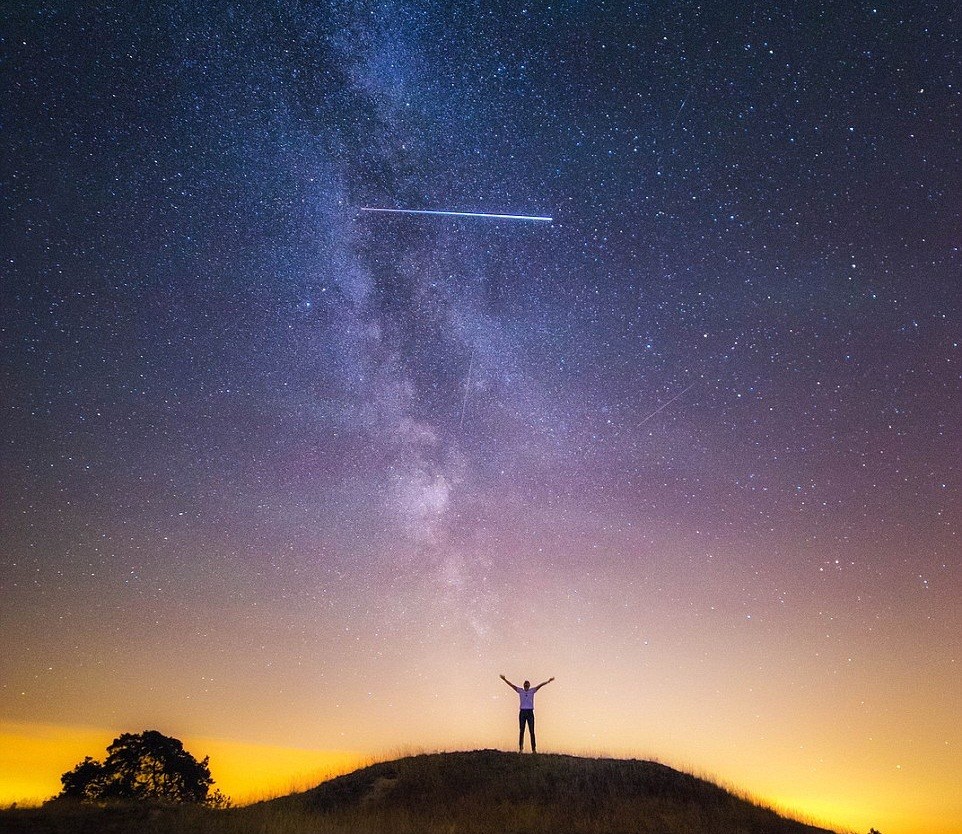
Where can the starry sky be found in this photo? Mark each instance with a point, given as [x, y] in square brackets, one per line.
[292, 477]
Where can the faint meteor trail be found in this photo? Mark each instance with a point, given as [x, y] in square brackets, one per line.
[683, 103]
[445, 213]
[663, 406]
[467, 388]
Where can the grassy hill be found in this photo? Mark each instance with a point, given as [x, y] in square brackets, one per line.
[480, 792]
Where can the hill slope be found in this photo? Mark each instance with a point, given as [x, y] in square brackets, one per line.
[479, 792]
[491, 791]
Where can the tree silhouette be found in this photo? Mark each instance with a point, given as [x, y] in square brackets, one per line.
[146, 765]
[83, 782]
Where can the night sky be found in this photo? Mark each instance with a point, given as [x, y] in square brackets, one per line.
[279, 472]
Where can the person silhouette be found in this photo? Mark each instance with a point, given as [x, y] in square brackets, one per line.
[526, 714]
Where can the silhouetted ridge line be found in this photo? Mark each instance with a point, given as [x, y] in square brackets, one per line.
[479, 792]
[576, 793]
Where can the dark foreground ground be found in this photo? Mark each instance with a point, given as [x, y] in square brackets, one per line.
[481, 792]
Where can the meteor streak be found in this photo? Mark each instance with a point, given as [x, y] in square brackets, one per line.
[663, 406]
[529, 217]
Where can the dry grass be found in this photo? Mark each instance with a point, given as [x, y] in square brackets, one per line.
[479, 792]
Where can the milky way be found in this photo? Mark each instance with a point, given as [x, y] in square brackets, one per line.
[276, 469]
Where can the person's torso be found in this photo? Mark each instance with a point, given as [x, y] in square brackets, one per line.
[527, 698]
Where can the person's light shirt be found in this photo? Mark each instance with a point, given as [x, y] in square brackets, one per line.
[527, 697]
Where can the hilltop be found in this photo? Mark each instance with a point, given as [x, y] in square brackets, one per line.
[479, 792]
[493, 791]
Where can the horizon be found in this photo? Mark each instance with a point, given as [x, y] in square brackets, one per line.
[294, 770]
[283, 473]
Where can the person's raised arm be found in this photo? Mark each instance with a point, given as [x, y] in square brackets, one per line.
[508, 682]
[543, 684]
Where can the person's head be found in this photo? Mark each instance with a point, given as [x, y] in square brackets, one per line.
[527, 684]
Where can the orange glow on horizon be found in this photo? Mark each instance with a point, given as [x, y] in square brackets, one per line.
[33, 756]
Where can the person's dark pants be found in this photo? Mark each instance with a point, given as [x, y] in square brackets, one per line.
[526, 716]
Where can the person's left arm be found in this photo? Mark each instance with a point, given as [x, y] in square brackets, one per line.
[543, 684]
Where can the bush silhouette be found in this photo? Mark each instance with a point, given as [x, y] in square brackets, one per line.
[142, 766]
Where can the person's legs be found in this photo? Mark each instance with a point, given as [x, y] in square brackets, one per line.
[526, 716]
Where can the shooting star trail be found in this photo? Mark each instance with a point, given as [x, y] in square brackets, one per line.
[683, 103]
[663, 406]
[467, 388]
[529, 217]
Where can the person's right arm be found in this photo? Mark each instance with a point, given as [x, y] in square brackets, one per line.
[508, 683]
